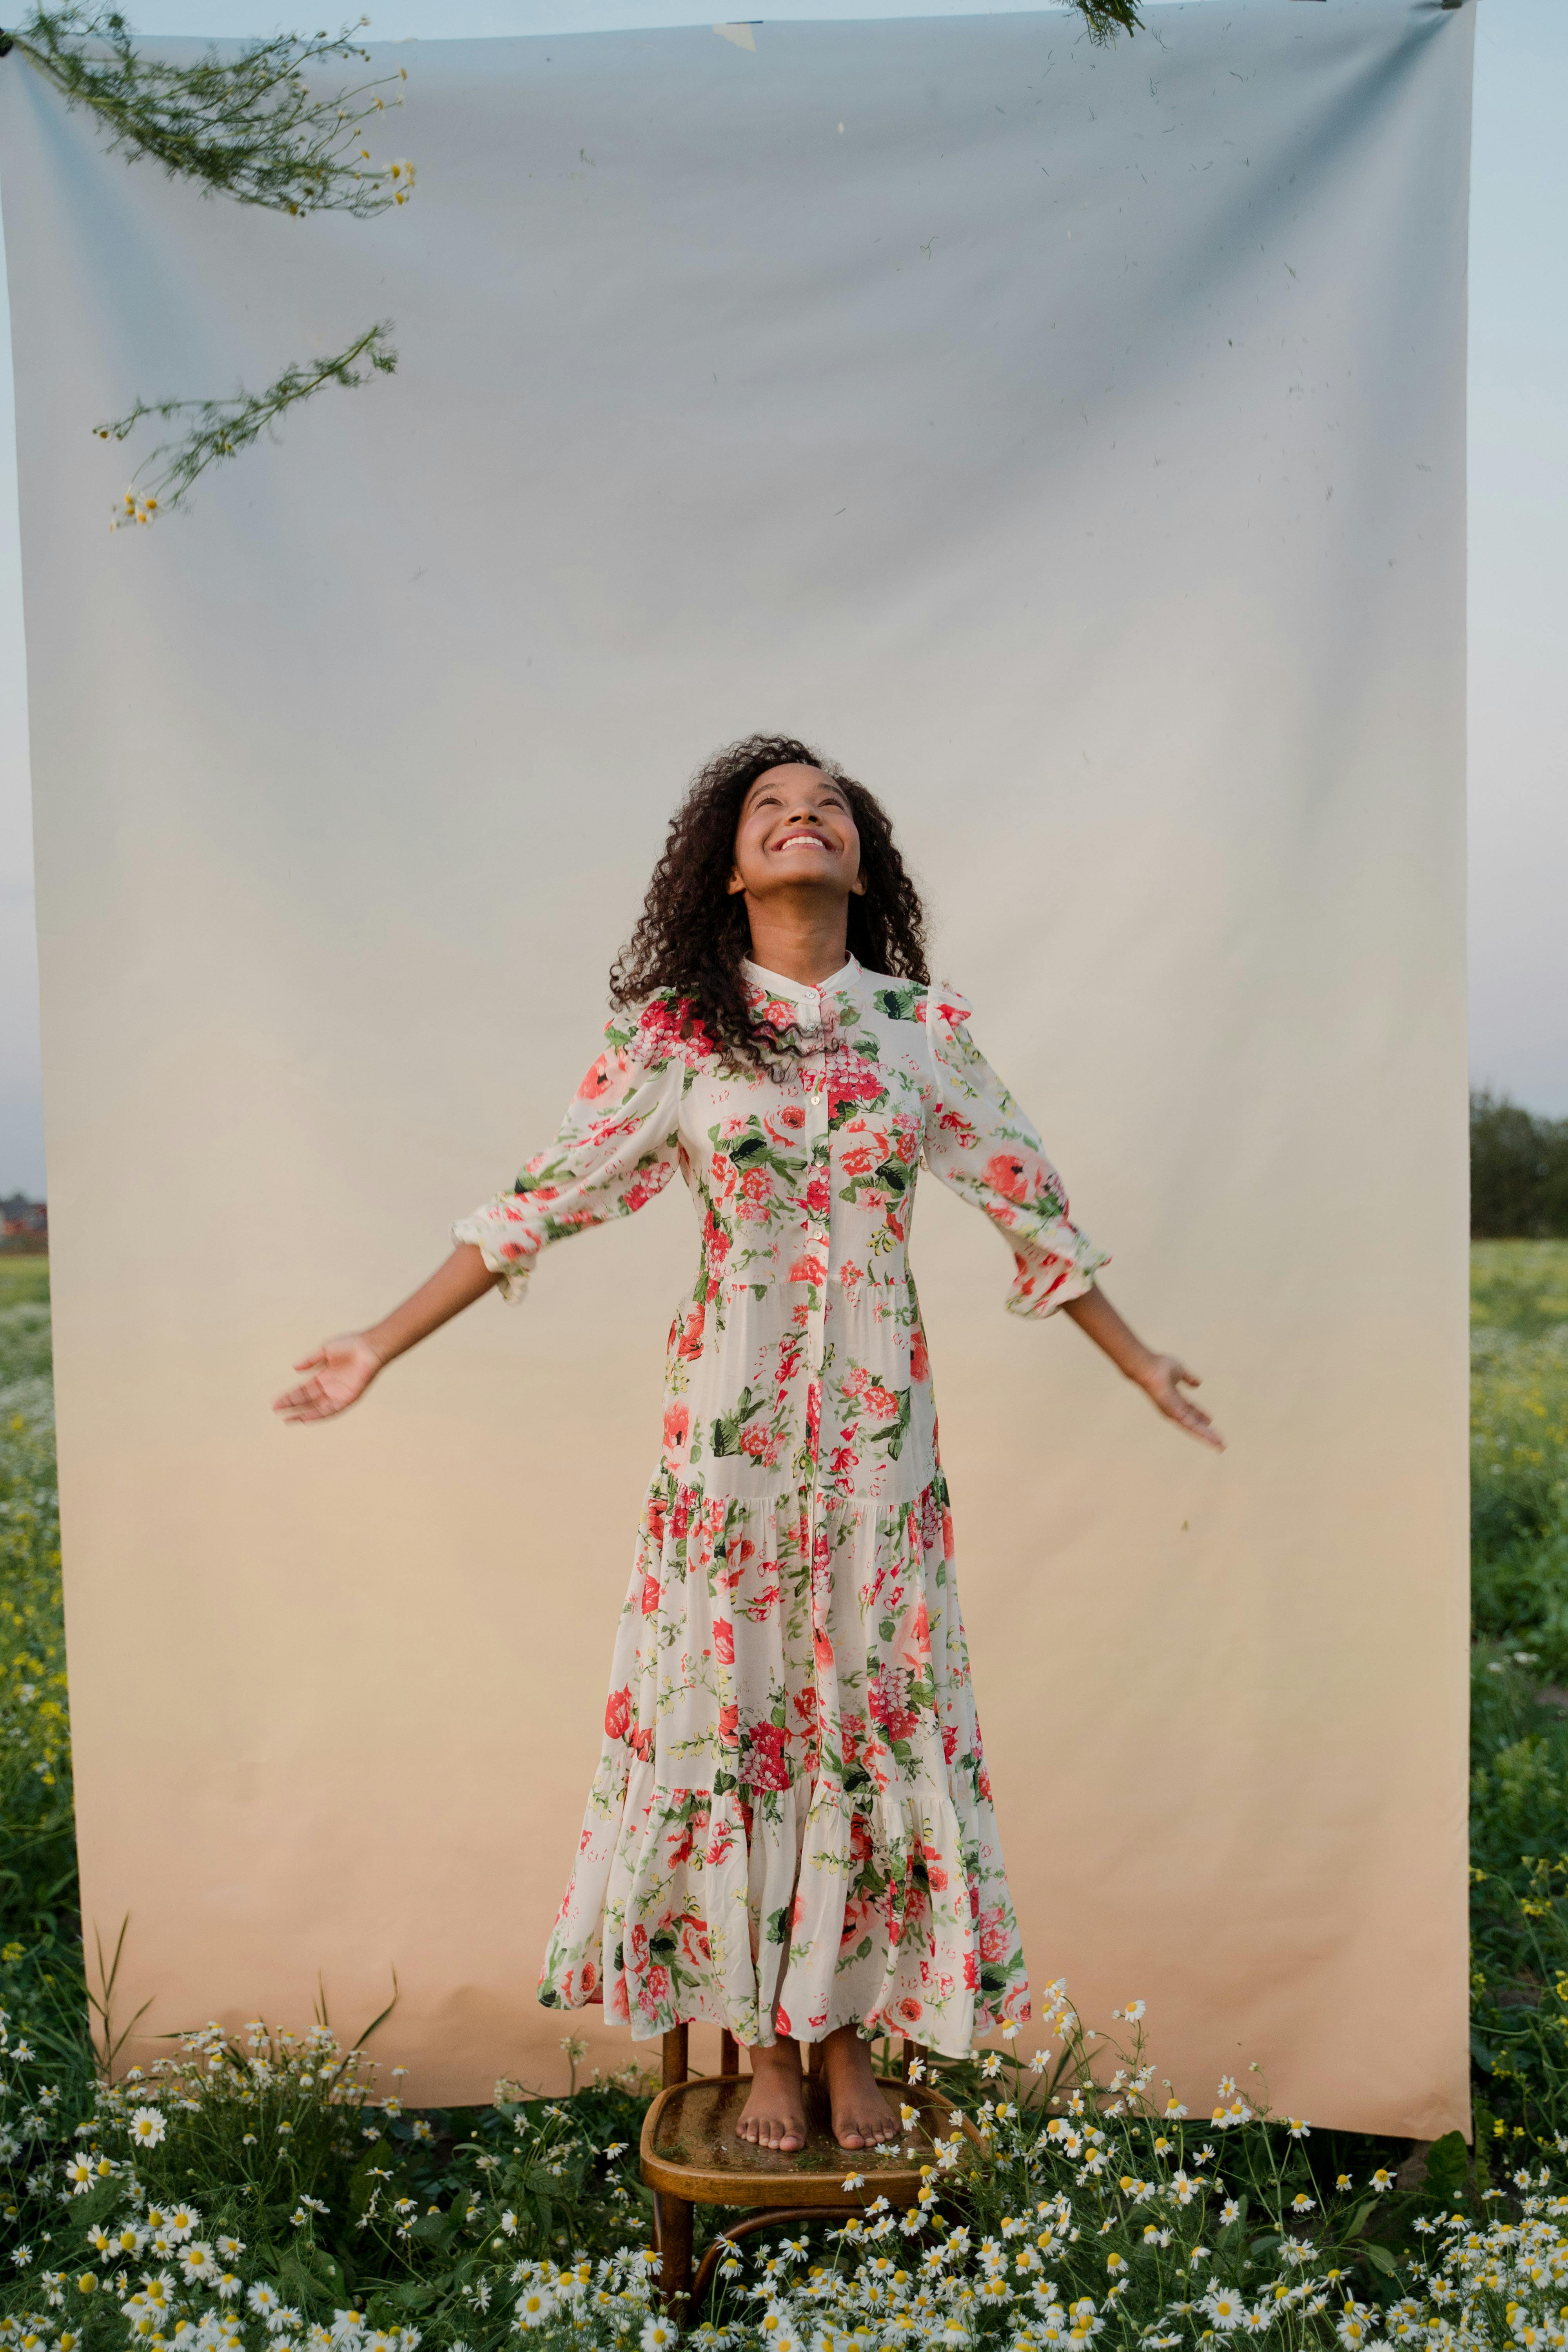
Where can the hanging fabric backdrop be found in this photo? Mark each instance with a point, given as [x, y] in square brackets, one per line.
[1069, 441]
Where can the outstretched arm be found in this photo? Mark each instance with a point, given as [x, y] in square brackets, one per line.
[1162, 1378]
[617, 1148]
[980, 1141]
[341, 1369]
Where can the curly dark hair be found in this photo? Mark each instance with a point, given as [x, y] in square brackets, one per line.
[693, 935]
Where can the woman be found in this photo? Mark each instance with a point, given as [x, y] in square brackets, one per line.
[791, 1830]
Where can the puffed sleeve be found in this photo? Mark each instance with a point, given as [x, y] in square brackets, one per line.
[979, 1142]
[617, 1146]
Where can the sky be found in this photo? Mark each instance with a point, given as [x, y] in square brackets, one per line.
[1518, 515]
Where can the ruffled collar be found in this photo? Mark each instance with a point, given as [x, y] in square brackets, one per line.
[803, 1016]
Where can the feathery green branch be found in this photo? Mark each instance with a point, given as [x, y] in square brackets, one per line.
[222, 428]
[1106, 18]
[249, 126]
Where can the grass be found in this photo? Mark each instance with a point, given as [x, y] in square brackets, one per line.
[1519, 1805]
[40, 1945]
[444, 2224]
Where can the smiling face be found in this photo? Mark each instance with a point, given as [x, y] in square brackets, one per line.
[796, 834]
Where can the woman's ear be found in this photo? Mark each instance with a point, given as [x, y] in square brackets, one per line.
[735, 883]
[857, 888]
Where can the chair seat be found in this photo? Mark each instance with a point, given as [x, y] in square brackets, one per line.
[690, 2150]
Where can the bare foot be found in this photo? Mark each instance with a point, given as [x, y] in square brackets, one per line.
[774, 2114]
[861, 2115]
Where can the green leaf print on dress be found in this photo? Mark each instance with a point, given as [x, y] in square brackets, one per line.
[791, 1827]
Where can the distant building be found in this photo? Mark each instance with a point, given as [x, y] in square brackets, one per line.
[24, 1223]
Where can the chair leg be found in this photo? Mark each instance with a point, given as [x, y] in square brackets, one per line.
[792, 2216]
[675, 2067]
[729, 2053]
[672, 2224]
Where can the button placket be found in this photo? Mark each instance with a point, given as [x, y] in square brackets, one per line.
[818, 1236]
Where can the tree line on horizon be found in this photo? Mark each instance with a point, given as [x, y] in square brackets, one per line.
[1518, 1171]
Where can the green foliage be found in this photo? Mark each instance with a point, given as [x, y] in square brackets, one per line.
[1519, 1796]
[241, 2193]
[23, 1279]
[1103, 19]
[222, 428]
[40, 1962]
[244, 2197]
[1519, 1436]
[250, 126]
[1519, 1171]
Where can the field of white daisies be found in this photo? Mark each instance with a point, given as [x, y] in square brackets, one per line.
[263, 2193]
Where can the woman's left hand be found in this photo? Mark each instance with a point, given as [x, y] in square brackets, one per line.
[1162, 1380]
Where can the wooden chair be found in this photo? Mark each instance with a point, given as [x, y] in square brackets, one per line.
[691, 2156]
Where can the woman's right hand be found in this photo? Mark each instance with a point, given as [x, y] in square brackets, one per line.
[341, 1371]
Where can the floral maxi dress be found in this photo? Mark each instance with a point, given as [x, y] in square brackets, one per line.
[791, 1825]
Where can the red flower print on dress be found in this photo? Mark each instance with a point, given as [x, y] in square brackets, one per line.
[1007, 1174]
[694, 1948]
[729, 1723]
[908, 2010]
[715, 1241]
[650, 1595]
[619, 1714]
[668, 1026]
[676, 1428]
[655, 1990]
[857, 1082]
[724, 1640]
[886, 1697]
[995, 1934]
[599, 1080]
[920, 1361]
[764, 1766]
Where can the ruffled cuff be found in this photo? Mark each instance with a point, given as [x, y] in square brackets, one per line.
[509, 1235]
[1059, 1266]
